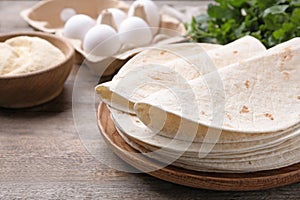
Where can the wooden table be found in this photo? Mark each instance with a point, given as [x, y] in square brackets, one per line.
[43, 157]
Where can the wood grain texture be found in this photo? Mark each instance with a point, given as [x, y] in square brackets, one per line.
[42, 157]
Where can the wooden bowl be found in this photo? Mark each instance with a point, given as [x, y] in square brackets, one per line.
[32, 89]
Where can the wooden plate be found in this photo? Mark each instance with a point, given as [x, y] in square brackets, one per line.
[214, 181]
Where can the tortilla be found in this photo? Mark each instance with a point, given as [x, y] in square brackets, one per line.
[266, 161]
[134, 129]
[237, 118]
[172, 65]
[259, 96]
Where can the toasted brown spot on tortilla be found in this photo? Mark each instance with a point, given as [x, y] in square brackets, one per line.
[270, 116]
[156, 78]
[250, 163]
[228, 116]
[247, 84]
[203, 113]
[286, 75]
[245, 109]
[228, 125]
[163, 52]
[298, 97]
[285, 56]
[235, 52]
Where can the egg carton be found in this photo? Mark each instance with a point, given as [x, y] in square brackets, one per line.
[45, 16]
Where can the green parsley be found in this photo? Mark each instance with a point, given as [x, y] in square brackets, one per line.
[270, 21]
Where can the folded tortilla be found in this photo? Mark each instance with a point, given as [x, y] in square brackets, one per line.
[172, 65]
[252, 98]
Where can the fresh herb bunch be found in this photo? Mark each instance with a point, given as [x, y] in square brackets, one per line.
[270, 21]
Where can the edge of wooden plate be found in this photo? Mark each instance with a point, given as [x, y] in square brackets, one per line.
[213, 181]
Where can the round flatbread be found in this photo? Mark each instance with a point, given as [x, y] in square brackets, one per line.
[258, 97]
[163, 67]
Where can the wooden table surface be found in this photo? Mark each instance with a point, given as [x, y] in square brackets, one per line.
[43, 156]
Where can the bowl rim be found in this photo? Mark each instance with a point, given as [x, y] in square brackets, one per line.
[68, 56]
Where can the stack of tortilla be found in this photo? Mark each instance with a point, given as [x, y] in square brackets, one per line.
[232, 108]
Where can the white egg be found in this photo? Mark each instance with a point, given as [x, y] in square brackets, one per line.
[101, 40]
[118, 16]
[67, 13]
[135, 31]
[151, 10]
[77, 26]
